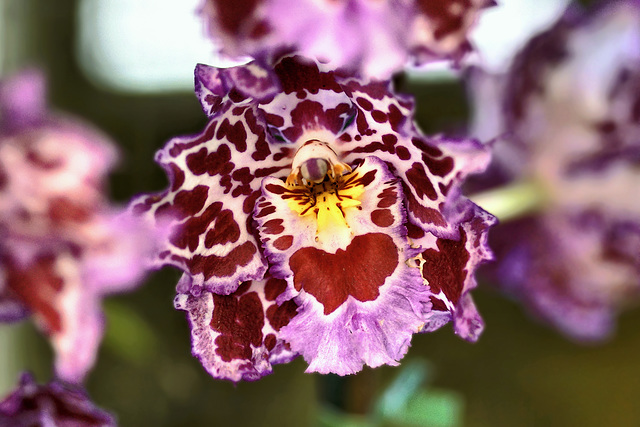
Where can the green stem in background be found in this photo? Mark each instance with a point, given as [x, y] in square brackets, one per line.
[512, 201]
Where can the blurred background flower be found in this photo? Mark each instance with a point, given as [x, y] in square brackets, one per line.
[567, 125]
[63, 246]
[368, 38]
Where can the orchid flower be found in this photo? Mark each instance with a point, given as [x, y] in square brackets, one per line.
[56, 404]
[375, 38]
[569, 109]
[62, 246]
[311, 217]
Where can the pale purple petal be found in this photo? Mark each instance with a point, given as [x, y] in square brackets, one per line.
[22, 102]
[360, 302]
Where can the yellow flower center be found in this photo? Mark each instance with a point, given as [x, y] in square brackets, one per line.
[320, 190]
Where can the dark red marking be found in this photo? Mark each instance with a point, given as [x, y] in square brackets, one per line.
[187, 203]
[275, 189]
[439, 167]
[250, 202]
[273, 226]
[221, 266]
[217, 162]
[396, 118]
[265, 211]
[239, 319]
[297, 74]
[420, 182]
[38, 287]
[176, 176]
[225, 230]
[422, 145]
[270, 342]
[445, 268]
[274, 120]
[62, 209]
[281, 315]
[358, 271]
[236, 134]
[273, 288]
[438, 304]
[414, 232]
[205, 136]
[364, 103]
[310, 114]
[379, 116]
[283, 243]
[402, 152]
[382, 217]
[424, 214]
[388, 197]
[439, 15]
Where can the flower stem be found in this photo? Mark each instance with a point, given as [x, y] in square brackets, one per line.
[512, 201]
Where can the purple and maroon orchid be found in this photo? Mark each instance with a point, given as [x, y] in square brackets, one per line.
[58, 404]
[311, 217]
[570, 111]
[62, 247]
[372, 37]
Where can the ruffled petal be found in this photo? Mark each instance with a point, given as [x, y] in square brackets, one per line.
[344, 258]
[68, 311]
[214, 86]
[447, 266]
[237, 337]
[55, 404]
[573, 271]
[215, 179]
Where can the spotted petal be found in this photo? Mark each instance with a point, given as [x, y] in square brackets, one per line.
[214, 86]
[215, 179]
[237, 337]
[447, 267]
[344, 258]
